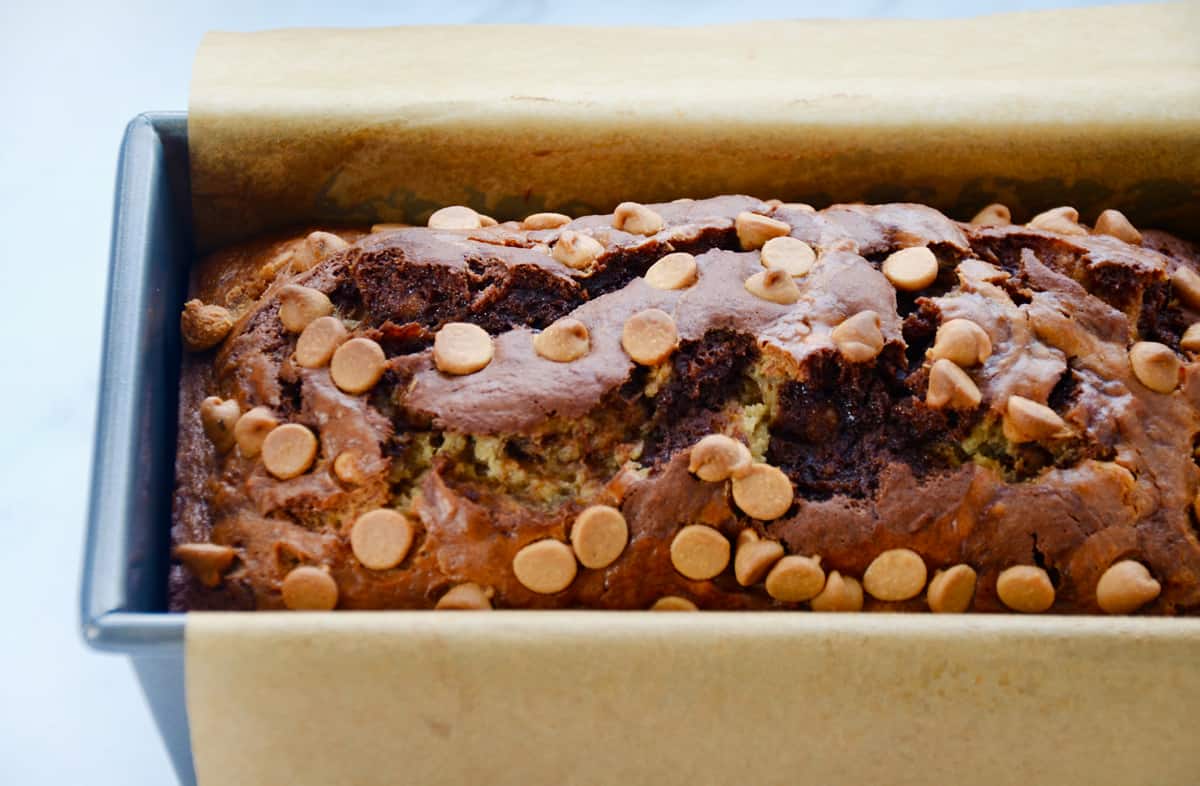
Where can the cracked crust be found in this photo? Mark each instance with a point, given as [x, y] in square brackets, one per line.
[489, 462]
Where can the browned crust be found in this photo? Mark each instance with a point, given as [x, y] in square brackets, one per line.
[873, 467]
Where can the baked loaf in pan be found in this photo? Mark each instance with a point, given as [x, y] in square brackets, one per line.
[718, 404]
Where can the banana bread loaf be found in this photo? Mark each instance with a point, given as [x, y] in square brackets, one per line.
[718, 404]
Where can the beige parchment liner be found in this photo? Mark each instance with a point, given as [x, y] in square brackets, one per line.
[1097, 108]
[529, 698]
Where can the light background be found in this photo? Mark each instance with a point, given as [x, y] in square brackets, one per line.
[71, 76]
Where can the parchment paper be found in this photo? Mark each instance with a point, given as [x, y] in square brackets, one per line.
[1097, 108]
[554, 698]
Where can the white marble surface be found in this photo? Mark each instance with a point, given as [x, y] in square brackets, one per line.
[72, 75]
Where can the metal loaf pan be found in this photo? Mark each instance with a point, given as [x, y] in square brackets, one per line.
[1055, 668]
[123, 593]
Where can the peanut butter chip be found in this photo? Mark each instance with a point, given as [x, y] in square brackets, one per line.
[564, 341]
[1028, 421]
[1185, 282]
[381, 538]
[1125, 587]
[747, 535]
[962, 342]
[576, 250]
[346, 468]
[288, 451]
[455, 217]
[994, 215]
[896, 574]
[774, 285]
[673, 603]
[753, 559]
[1063, 220]
[1191, 339]
[1155, 366]
[794, 579]
[300, 305]
[1025, 588]
[318, 341]
[219, 418]
[791, 255]
[649, 337]
[252, 428]
[309, 589]
[205, 561]
[763, 492]
[699, 552]
[841, 593]
[717, 457]
[462, 348]
[911, 269]
[754, 231]
[950, 386]
[859, 338]
[357, 365]
[599, 536]
[1114, 223]
[674, 271]
[316, 248]
[204, 326]
[951, 591]
[545, 566]
[636, 219]
[545, 221]
[466, 597]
